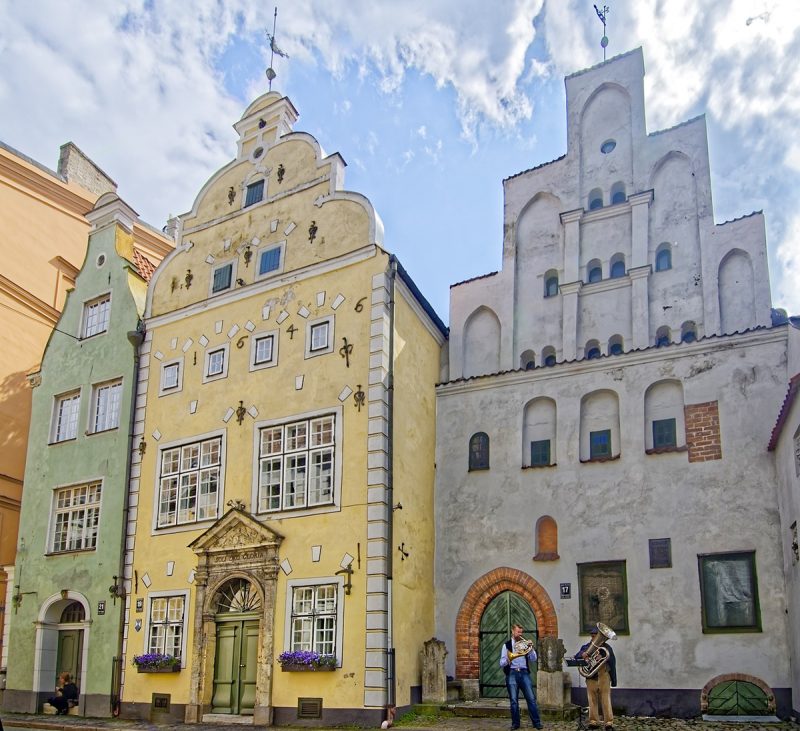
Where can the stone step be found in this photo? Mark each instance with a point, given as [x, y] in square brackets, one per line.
[499, 708]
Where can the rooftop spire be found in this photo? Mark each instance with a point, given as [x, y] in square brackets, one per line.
[602, 15]
[273, 49]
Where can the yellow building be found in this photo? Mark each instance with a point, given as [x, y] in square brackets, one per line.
[283, 501]
[43, 239]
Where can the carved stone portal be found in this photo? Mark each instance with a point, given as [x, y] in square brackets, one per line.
[237, 545]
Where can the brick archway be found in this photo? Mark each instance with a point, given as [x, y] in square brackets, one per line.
[486, 588]
[707, 688]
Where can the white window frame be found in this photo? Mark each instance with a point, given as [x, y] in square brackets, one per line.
[96, 389]
[85, 315]
[212, 349]
[293, 584]
[179, 527]
[281, 512]
[54, 430]
[272, 362]
[77, 508]
[267, 247]
[161, 595]
[162, 389]
[221, 265]
[310, 325]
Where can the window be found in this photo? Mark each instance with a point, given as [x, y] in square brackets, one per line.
[269, 260]
[688, 332]
[189, 482]
[106, 402]
[595, 199]
[540, 453]
[319, 337]
[615, 345]
[594, 272]
[95, 316]
[166, 625]
[550, 360]
[222, 278]
[608, 146]
[729, 592]
[263, 349]
[65, 417]
[663, 258]
[617, 266]
[76, 514]
[618, 193]
[314, 618]
[592, 350]
[254, 193]
[664, 433]
[551, 284]
[527, 360]
[171, 377]
[296, 464]
[479, 451]
[663, 336]
[600, 444]
[549, 356]
[216, 363]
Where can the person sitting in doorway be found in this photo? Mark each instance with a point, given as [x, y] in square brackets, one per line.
[66, 695]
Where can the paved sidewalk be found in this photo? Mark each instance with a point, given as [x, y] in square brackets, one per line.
[624, 723]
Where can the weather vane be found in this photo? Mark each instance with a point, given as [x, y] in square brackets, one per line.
[602, 15]
[273, 49]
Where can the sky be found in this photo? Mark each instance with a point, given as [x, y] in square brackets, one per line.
[432, 103]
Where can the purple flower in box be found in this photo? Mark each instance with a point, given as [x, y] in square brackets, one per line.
[155, 660]
[306, 657]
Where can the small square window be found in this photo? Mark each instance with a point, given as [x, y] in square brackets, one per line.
[65, 417]
[540, 453]
[171, 377]
[319, 337]
[269, 260]
[263, 349]
[254, 194]
[664, 433]
[216, 364]
[96, 314]
[600, 444]
[223, 276]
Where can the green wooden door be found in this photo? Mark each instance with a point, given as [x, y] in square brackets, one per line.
[70, 649]
[737, 698]
[235, 666]
[503, 611]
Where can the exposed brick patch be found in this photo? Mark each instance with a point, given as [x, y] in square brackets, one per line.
[477, 598]
[736, 676]
[702, 431]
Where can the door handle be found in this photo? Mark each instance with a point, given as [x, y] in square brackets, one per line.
[243, 665]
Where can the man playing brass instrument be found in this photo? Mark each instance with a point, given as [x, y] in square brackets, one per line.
[514, 659]
[600, 684]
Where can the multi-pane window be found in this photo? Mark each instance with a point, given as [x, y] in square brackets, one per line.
[600, 444]
[95, 316]
[254, 193]
[479, 451]
[189, 482]
[65, 416]
[166, 625]
[540, 453]
[216, 362]
[170, 376]
[222, 278]
[296, 464]
[319, 336]
[76, 513]
[263, 349]
[314, 619]
[270, 260]
[106, 402]
[664, 433]
[729, 591]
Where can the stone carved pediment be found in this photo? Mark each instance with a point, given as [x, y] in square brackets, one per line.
[236, 531]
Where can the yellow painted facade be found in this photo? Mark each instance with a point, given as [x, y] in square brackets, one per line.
[293, 271]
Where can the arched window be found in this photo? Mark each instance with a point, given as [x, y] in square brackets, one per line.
[551, 284]
[688, 332]
[479, 451]
[592, 350]
[236, 596]
[617, 266]
[73, 612]
[595, 199]
[539, 433]
[615, 345]
[527, 360]
[664, 416]
[549, 356]
[618, 193]
[663, 257]
[594, 272]
[546, 539]
[599, 435]
[663, 336]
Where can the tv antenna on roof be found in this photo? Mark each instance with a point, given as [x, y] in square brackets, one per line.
[602, 15]
[273, 49]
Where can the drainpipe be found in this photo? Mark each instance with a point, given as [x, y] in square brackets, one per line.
[391, 684]
[136, 338]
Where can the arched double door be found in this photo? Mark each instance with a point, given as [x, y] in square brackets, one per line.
[502, 612]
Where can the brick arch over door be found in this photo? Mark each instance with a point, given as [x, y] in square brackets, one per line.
[486, 588]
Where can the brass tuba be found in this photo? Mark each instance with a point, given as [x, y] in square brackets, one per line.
[597, 654]
[519, 648]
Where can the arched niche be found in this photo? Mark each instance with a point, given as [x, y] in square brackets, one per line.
[737, 301]
[539, 433]
[599, 439]
[481, 343]
[665, 427]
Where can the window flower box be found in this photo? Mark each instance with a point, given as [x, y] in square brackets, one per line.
[306, 661]
[155, 662]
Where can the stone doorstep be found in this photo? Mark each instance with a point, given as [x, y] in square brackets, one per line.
[49, 710]
[742, 719]
[226, 718]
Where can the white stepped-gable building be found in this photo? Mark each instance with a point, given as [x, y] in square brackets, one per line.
[602, 436]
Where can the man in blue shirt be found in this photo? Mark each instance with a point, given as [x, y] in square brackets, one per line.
[518, 677]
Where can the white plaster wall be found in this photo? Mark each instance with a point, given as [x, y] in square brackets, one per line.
[609, 510]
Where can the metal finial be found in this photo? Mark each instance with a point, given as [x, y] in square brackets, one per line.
[273, 49]
[602, 15]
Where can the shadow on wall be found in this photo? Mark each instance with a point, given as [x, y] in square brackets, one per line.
[15, 418]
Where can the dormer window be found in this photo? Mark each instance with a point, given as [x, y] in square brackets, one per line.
[254, 194]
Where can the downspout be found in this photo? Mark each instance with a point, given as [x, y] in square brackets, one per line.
[391, 683]
[136, 338]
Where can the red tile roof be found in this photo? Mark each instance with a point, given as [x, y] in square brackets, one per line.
[791, 394]
[143, 265]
